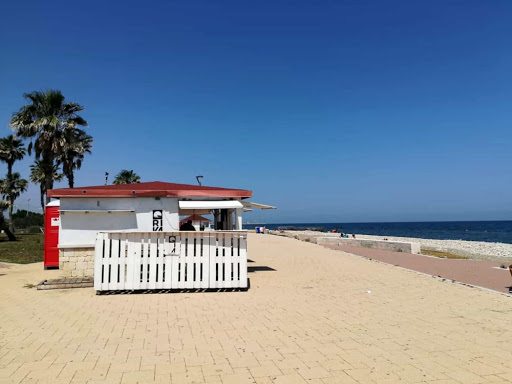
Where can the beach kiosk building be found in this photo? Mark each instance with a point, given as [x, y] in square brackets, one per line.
[127, 236]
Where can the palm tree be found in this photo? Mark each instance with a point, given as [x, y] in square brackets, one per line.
[11, 150]
[38, 176]
[45, 119]
[76, 144]
[127, 177]
[10, 189]
[3, 207]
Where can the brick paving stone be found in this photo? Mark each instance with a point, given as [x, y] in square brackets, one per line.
[466, 377]
[311, 320]
[217, 369]
[191, 377]
[267, 369]
[293, 378]
[237, 378]
[138, 377]
[313, 373]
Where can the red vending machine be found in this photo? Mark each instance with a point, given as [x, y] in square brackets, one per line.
[51, 235]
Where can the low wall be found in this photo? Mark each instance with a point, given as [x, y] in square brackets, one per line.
[77, 262]
[377, 244]
[310, 238]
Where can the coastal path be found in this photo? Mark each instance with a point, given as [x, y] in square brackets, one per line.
[486, 274]
[312, 315]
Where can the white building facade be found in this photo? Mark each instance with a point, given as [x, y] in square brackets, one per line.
[143, 207]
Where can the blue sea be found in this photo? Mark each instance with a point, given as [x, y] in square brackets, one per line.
[490, 231]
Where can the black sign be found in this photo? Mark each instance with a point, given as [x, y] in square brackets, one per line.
[158, 220]
[172, 242]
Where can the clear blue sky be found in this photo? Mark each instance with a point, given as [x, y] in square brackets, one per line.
[338, 111]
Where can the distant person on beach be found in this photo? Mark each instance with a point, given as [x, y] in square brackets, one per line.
[353, 235]
[187, 226]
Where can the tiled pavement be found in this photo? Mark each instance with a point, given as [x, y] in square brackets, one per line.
[321, 317]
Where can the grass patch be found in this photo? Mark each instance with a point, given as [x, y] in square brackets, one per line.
[443, 255]
[27, 249]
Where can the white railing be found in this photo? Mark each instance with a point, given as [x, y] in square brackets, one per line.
[170, 260]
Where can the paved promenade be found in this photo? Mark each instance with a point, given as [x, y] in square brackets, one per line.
[312, 315]
[486, 274]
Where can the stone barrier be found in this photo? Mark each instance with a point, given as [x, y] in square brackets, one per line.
[394, 246]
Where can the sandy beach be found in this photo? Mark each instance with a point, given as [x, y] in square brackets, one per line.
[477, 250]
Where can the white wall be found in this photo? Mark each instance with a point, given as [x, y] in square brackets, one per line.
[80, 229]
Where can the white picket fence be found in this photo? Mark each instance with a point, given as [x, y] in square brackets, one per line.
[170, 260]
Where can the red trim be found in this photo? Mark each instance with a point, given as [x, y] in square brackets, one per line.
[149, 189]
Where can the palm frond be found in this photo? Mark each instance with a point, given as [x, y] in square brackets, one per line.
[126, 177]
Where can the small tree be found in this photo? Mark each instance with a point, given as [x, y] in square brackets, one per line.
[3, 225]
[38, 176]
[11, 188]
[127, 177]
[26, 219]
[11, 150]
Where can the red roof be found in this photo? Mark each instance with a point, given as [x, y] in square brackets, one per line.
[149, 189]
[195, 218]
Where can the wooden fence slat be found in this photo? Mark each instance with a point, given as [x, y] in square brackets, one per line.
[160, 260]
[228, 262]
[144, 261]
[189, 260]
[98, 261]
[123, 260]
[113, 261]
[176, 261]
[235, 259]
[152, 261]
[204, 265]
[180, 272]
[137, 248]
[243, 261]
[217, 272]
[218, 261]
[222, 261]
[212, 250]
[196, 269]
[106, 264]
[168, 261]
[130, 261]
[222, 267]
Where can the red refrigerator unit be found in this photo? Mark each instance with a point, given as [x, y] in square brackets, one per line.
[51, 235]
